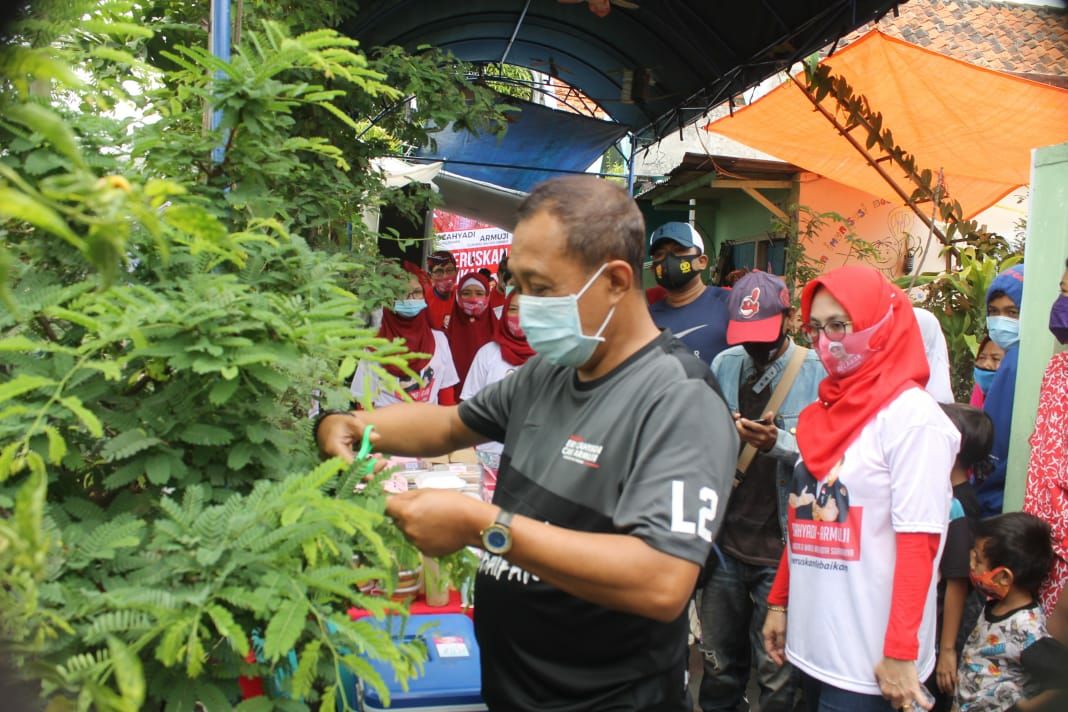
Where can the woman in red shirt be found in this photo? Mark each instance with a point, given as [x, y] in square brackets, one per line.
[472, 323]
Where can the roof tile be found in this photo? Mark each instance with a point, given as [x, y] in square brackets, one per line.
[998, 35]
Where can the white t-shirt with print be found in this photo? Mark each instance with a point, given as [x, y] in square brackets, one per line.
[440, 372]
[488, 367]
[841, 541]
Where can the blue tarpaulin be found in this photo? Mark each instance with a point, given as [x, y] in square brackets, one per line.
[540, 143]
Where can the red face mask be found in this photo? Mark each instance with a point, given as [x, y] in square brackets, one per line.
[513, 325]
[985, 584]
[474, 306]
[444, 285]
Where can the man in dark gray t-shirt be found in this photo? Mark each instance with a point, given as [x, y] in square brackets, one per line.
[618, 458]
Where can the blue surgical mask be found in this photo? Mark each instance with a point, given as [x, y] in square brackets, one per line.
[408, 308]
[1003, 331]
[983, 378]
[553, 327]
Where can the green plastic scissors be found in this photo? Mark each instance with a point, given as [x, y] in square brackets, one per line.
[365, 451]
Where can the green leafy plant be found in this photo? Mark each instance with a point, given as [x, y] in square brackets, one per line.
[168, 322]
[958, 299]
[801, 267]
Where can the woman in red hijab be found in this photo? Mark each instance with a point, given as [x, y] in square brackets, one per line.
[472, 324]
[495, 361]
[408, 320]
[868, 505]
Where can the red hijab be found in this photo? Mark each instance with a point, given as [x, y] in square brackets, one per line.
[416, 331]
[420, 273]
[467, 334]
[827, 427]
[514, 348]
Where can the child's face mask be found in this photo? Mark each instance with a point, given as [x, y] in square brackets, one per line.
[986, 585]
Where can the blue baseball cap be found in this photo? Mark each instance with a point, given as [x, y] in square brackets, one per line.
[680, 232]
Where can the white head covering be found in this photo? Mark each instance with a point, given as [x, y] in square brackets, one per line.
[934, 343]
[472, 280]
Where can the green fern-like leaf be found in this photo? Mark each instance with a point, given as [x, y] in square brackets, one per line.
[83, 509]
[202, 434]
[84, 664]
[196, 656]
[228, 628]
[329, 701]
[128, 672]
[254, 601]
[117, 621]
[369, 675]
[193, 502]
[171, 644]
[128, 444]
[304, 675]
[284, 628]
[23, 384]
[102, 542]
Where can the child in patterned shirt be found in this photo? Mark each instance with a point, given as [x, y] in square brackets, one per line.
[1011, 557]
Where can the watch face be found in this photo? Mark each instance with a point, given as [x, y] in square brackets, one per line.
[496, 540]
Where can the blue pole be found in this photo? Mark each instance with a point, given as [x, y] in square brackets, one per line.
[630, 165]
[220, 47]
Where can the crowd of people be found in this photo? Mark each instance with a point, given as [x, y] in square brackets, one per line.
[832, 516]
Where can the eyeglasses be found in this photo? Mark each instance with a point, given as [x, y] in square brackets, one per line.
[414, 294]
[833, 330]
[443, 272]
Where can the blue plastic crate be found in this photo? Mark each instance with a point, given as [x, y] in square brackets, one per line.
[451, 679]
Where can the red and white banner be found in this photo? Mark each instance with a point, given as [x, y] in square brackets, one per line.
[474, 244]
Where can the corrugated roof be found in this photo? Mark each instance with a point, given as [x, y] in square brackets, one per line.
[696, 166]
[654, 66]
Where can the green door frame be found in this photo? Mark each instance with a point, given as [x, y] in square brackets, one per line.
[1044, 255]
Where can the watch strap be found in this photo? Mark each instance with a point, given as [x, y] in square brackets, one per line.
[504, 518]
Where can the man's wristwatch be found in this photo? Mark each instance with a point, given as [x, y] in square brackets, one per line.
[497, 537]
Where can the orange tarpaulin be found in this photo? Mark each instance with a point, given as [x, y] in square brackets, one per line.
[976, 124]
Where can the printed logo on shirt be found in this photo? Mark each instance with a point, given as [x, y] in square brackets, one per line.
[820, 521]
[578, 450]
[419, 393]
[499, 568]
[689, 331]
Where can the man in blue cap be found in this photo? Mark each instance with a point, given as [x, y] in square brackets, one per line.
[695, 312]
[1003, 300]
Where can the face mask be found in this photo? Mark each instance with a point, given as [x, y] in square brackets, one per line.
[673, 271]
[762, 353]
[985, 584]
[1058, 319]
[513, 325]
[842, 358]
[1003, 331]
[983, 378]
[444, 285]
[408, 308]
[474, 306]
[553, 327]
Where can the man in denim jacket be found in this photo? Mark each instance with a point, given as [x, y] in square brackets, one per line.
[740, 573]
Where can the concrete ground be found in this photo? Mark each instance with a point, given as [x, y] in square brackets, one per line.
[752, 693]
